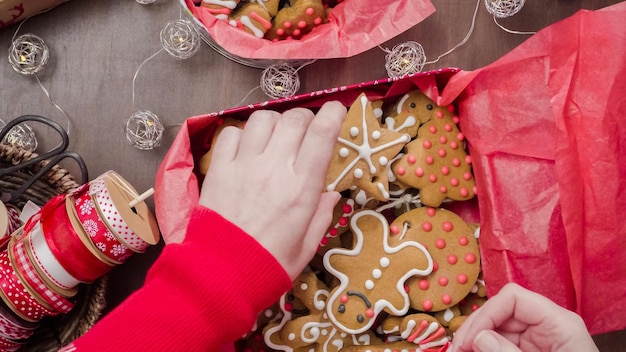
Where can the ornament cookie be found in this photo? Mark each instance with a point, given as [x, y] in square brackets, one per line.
[312, 332]
[253, 18]
[221, 9]
[436, 162]
[454, 250]
[372, 275]
[363, 152]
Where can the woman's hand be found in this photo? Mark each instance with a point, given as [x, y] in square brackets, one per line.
[268, 180]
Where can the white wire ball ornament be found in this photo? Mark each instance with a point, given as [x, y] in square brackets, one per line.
[504, 8]
[21, 136]
[28, 54]
[180, 38]
[405, 58]
[145, 2]
[280, 81]
[144, 130]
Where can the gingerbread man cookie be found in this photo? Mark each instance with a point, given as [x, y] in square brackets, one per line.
[312, 332]
[454, 250]
[408, 113]
[372, 275]
[436, 162]
[299, 18]
[363, 152]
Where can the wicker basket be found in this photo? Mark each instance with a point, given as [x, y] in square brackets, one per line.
[58, 331]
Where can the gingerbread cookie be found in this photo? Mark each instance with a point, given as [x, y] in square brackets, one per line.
[372, 275]
[454, 250]
[436, 162]
[408, 113]
[422, 330]
[311, 332]
[299, 18]
[221, 9]
[363, 151]
[253, 18]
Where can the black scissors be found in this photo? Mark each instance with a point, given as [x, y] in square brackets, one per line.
[54, 156]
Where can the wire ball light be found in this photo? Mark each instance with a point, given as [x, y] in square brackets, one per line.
[504, 8]
[280, 81]
[28, 54]
[21, 136]
[405, 58]
[145, 2]
[180, 38]
[144, 130]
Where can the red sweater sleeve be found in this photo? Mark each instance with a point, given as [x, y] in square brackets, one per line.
[199, 295]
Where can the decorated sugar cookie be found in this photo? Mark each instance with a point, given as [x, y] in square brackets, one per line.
[420, 329]
[372, 274]
[311, 332]
[363, 153]
[253, 18]
[454, 250]
[300, 18]
[436, 162]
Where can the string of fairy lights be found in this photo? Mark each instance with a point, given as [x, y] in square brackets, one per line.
[181, 39]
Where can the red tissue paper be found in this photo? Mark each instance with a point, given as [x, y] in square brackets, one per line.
[546, 126]
[354, 26]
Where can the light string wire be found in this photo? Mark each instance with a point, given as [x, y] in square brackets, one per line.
[46, 92]
[495, 19]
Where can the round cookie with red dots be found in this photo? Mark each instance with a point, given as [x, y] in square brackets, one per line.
[436, 162]
[454, 250]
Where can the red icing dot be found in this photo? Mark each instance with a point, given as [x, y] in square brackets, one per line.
[435, 266]
[419, 172]
[454, 145]
[443, 189]
[441, 152]
[427, 305]
[301, 24]
[447, 127]
[310, 11]
[463, 241]
[443, 281]
[439, 114]
[423, 284]
[430, 160]
[401, 171]
[475, 307]
[347, 209]
[454, 181]
[460, 136]
[344, 299]
[324, 241]
[332, 232]
[450, 108]
[288, 307]
[427, 144]
[411, 159]
[317, 21]
[430, 211]
[394, 229]
[426, 226]
[452, 259]
[443, 140]
[343, 221]
[296, 32]
[470, 258]
[406, 288]
[456, 162]
[287, 24]
[445, 170]
[463, 192]
[432, 129]
[474, 190]
[447, 226]
[446, 299]
[369, 313]
[467, 176]
[432, 178]
[456, 119]
[461, 278]
[440, 243]
[468, 159]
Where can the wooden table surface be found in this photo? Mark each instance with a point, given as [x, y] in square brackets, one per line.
[97, 46]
